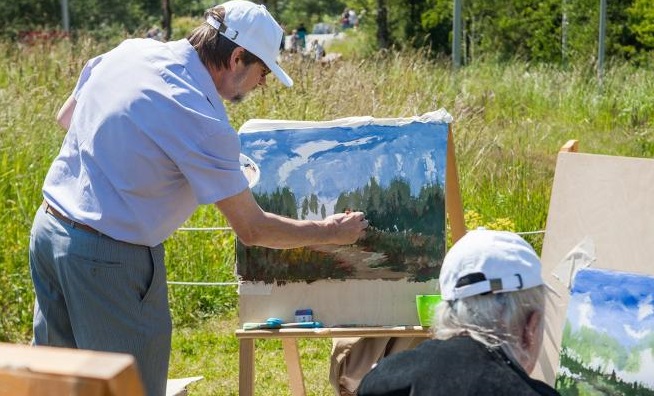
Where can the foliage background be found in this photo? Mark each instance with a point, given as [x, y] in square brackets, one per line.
[553, 31]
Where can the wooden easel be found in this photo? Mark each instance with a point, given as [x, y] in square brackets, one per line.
[571, 146]
[289, 337]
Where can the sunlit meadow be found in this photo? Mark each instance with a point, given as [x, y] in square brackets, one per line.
[509, 122]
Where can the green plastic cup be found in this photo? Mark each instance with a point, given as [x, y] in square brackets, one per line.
[426, 305]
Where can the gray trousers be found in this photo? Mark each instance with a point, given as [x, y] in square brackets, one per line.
[96, 293]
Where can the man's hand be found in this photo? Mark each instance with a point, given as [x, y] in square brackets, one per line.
[348, 227]
[255, 227]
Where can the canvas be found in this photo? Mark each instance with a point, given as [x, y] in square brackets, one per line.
[608, 338]
[392, 170]
[600, 216]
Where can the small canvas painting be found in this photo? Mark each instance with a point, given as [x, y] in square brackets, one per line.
[392, 170]
[608, 339]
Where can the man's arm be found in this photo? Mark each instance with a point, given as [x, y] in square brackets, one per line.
[253, 226]
[66, 112]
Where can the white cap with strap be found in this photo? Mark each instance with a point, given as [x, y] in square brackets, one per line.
[252, 27]
[486, 261]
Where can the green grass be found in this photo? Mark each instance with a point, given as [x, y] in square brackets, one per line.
[510, 121]
[210, 349]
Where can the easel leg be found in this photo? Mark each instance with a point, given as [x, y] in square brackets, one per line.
[246, 369]
[292, 357]
[453, 204]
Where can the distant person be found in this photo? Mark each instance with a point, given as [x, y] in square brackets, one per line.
[295, 44]
[154, 33]
[302, 37]
[345, 19]
[353, 20]
[317, 50]
[488, 330]
[149, 140]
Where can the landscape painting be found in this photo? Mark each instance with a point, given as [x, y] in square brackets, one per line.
[608, 339]
[392, 170]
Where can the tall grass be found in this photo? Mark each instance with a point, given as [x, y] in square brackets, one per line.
[510, 121]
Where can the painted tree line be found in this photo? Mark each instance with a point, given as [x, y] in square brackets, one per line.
[391, 208]
[408, 230]
[579, 379]
[589, 360]
[556, 31]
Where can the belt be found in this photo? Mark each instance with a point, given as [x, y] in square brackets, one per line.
[49, 209]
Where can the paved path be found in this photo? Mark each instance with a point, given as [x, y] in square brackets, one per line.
[323, 39]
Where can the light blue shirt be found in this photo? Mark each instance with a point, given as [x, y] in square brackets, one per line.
[149, 141]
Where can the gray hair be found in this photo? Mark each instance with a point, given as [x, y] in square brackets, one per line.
[492, 319]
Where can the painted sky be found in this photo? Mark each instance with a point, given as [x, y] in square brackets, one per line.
[312, 160]
[621, 304]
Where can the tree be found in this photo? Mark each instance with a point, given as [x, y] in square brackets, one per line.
[640, 17]
[383, 36]
[17, 16]
[166, 19]
[313, 203]
[436, 21]
[305, 208]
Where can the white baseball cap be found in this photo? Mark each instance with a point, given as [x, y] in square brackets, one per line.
[486, 261]
[252, 27]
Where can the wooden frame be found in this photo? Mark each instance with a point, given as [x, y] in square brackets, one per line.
[454, 209]
[41, 371]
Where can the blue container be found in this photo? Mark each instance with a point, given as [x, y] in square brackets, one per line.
[304, 315]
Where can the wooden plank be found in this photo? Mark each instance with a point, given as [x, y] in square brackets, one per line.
[292, 357]
[27, 370]
[24, 383]
[336, 332]
[246, 367]
[571, 146]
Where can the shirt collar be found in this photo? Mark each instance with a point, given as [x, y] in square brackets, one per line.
[189, 57]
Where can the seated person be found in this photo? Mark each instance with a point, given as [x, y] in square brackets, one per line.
[488, 328]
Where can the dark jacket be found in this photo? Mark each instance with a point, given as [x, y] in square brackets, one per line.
[458, 366]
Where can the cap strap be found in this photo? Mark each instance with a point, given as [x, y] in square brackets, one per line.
[494, 285]
[222, 28]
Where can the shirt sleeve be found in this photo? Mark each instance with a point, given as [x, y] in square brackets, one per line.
[213, 170]
[85, 74]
